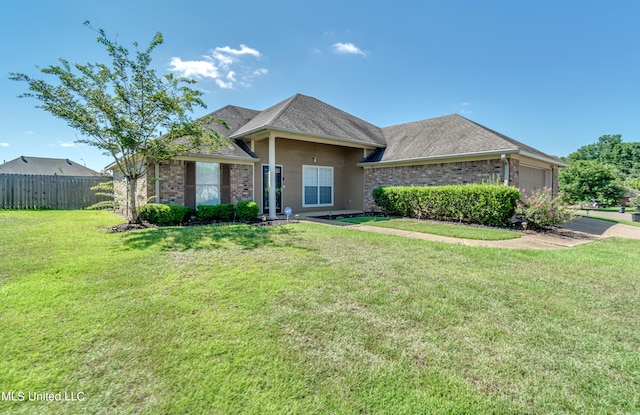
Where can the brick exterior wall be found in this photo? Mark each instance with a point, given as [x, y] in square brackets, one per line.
[173, 177]
[241, 182]
[122, 196]
[432, 175]
[172, 181]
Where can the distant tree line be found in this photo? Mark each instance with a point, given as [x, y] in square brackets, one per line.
[610, 149]
[601, 171]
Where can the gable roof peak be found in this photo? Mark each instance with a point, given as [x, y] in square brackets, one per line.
[309, 116]
[284, 105]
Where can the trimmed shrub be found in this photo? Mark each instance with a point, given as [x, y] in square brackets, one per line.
[180, 214]
[224, 212]
[155, 213]
[485, 204]
[164, 214]
[247, 211]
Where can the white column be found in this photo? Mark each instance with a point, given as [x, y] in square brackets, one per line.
[272, 177]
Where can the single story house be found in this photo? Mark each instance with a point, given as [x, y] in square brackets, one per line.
[44, 166]
[310, 156]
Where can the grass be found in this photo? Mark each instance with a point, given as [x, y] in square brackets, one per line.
[436, 228]
[306, 318]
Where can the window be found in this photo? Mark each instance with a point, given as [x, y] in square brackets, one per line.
[317, 185]
[207, 183]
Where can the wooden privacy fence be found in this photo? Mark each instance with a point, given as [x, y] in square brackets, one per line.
[28, 191]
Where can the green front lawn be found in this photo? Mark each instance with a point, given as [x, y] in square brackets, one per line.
[436, 228]
[306, 318]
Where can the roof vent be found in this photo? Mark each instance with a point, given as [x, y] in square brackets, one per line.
[69, 162]
[23, 158]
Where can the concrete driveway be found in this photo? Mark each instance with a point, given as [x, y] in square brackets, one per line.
[604, 229]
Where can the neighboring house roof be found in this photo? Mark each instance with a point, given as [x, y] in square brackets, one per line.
[309, 116]
[45, 167]
[449, 136]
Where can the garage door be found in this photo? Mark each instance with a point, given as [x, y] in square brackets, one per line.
[532, 178]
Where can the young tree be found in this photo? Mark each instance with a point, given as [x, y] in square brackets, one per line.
[122, 108]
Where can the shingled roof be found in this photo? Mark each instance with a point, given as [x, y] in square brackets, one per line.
[446, 137]
[43, 166]
[235, 117]
[450, 136]
[309, 116]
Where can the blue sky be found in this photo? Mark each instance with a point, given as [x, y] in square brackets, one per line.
[553, 74]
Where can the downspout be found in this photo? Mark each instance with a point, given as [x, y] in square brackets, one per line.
[157, 177]
[505, 163]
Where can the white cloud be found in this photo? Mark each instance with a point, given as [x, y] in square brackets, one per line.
[225, 65]
[224, 85]
[197, 69]
[347, 48]
[66, 144]
[223, 60]
[244, 50]
[260, 72]
[4, 144]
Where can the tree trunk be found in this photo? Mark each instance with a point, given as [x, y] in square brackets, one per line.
[133, 210]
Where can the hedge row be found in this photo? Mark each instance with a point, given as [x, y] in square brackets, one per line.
[173, 214]
[484, 204]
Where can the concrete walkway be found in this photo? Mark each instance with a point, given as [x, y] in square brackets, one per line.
[579, 231]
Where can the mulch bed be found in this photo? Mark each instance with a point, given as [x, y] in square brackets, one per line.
[124, 227]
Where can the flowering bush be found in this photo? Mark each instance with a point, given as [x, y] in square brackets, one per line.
[542, 210]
